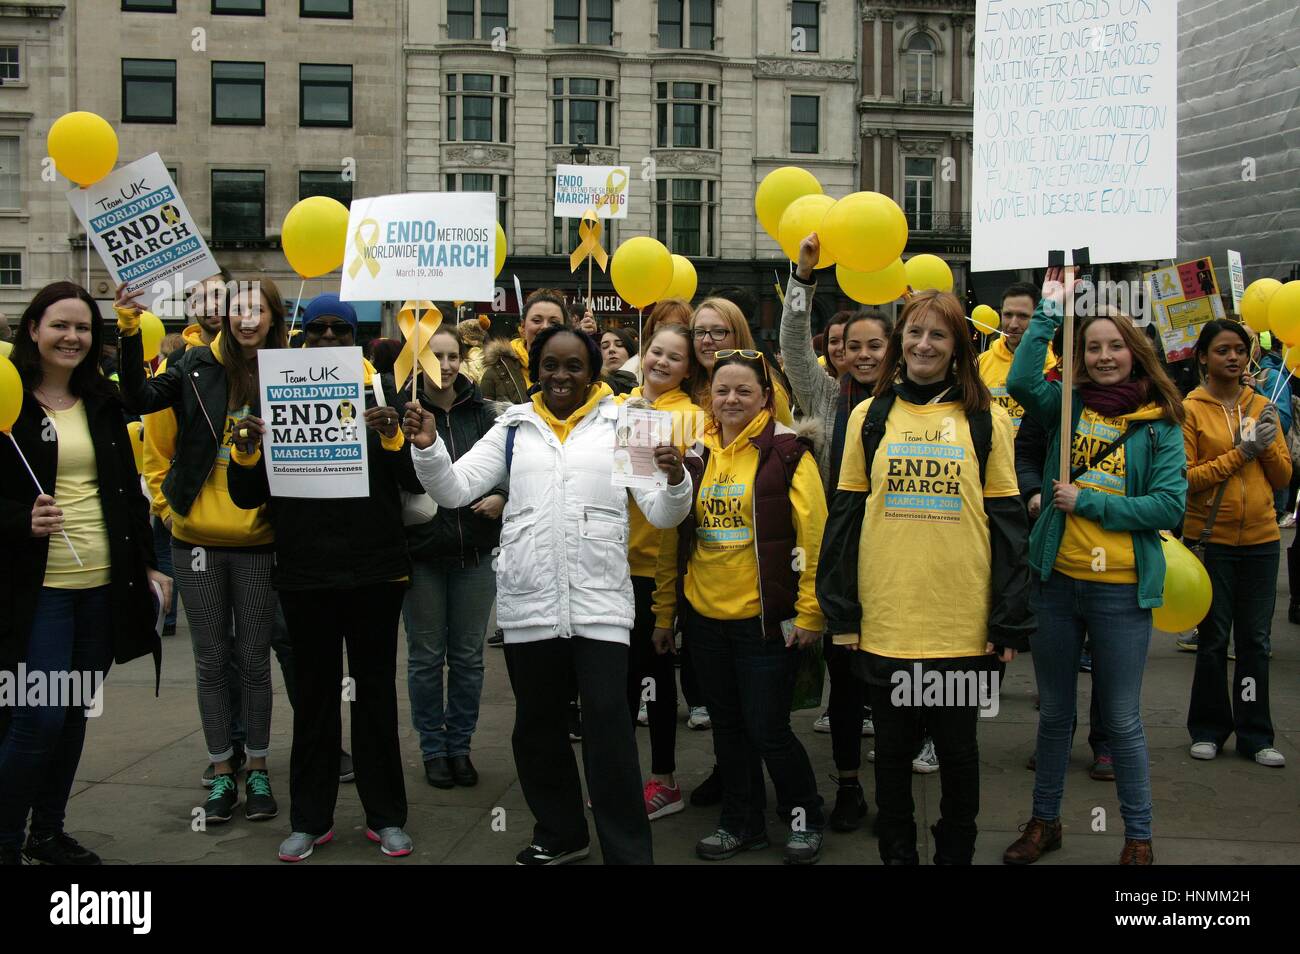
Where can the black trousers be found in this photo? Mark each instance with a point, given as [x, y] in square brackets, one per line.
[847, 697]
[644, 663]
[899, 731]
[319, 623]
[544, 676]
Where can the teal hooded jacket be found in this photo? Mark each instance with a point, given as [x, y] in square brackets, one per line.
[1155, 487]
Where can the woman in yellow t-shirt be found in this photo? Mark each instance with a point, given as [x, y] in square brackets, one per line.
[924, 567]
[76, 593]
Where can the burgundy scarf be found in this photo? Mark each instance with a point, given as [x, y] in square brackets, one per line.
[1115, 400]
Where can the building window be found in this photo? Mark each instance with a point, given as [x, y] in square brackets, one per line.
[238, 205]
[485, 182]
[686, 215]
[687, 115]
[582, 108]
[239, 93]
[492, 15]
[11, 269]
[149, 6]
[918, 69]
[148, 91]
[10, 65]
[804, 123]
[11, 179]
[805, 23]
[330, 184]
[686, 24]
[478, 107]
[325, 95]
[338, 9]
[246, 8]
[599, 22]
[918, 193]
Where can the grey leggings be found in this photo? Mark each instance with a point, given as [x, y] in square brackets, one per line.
[214, 583]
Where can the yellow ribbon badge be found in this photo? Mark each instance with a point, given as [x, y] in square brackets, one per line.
[419, 334]
[590, 230]
[363, 247]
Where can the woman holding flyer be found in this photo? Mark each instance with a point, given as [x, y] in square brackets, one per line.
[564, 592]
[224, 556]
[65, 610]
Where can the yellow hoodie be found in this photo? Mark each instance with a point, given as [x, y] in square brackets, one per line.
[995, 365]
[1088, 551]
[722, 578]
[643, 538]
[521, 352]
[563, 428]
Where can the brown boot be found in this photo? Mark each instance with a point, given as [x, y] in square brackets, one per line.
[1039, 837]
[1137, 853]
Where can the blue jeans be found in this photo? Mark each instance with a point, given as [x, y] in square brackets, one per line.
[1244, 598]
[42, 746]
[1120, 632]
[162, 548]
[446, 612]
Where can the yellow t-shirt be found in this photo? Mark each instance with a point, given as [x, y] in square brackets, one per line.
[994, 366]
[76, 493]
[1088, 551]
[924, 565]
[214, 519]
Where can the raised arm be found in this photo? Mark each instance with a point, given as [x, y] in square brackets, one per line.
[482, 468]
[813, 387]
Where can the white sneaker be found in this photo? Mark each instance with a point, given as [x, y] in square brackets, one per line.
[699, 719]
[1270, 757]
[926, 760]
[643, 716]
[1204, 750]
[868, 727]
[823, 724]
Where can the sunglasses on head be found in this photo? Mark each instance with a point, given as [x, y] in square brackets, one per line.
[319, 327]
[745, 354]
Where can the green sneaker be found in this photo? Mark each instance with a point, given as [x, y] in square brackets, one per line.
[722, 845]
[222, 800]
[259, 804]
[803, 848]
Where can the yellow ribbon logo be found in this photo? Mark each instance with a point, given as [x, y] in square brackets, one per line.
[419, 333]
[363, 247]
[170, 215]
[590, 230]
[615, 185]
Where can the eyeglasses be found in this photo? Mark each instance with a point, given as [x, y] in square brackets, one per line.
[717, 334]
[340, 328]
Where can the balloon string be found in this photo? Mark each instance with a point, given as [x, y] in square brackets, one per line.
[40, 490]
[85, 195]
[1281, 381]
[297, 306]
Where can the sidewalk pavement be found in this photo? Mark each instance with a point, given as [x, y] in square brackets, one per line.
[138, 782]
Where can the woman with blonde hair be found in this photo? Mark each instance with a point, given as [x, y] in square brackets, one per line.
[719, 325]
[669, 311]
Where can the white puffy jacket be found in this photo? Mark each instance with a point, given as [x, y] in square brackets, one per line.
[564, 534]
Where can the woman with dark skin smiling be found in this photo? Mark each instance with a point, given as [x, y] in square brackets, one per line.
[564, 590]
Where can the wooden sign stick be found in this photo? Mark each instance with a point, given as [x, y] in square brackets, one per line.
[1067, 379]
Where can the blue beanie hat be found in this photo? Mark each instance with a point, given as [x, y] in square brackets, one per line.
[323, 305]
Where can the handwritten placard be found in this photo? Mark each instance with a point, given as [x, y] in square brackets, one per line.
[1076, 123]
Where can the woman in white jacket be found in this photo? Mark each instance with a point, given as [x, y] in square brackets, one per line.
[564, 590]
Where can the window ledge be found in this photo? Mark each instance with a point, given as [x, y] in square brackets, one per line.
[19, 215]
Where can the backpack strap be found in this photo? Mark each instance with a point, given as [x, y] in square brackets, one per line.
[873, 430]
[981, 435]
[510, 446]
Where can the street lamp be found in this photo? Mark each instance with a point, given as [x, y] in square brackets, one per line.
[580, 153]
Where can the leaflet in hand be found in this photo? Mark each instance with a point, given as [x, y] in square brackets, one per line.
[638, 432]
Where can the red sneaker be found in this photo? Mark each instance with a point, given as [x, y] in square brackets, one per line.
[660, 800]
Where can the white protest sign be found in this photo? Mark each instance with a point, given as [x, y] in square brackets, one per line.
[141, 228]
[314, 408]
[423, 245]
[1075, 138]
[603, 188]
[1237, 274]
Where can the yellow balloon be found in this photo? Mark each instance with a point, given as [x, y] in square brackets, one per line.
[873, 288]
[778, 189]
[1187, 591]
[11, 394]
[1284, 313]
[864, 232]
[83, 147]
[501, 251]
[1291, 358]
[986, 319]
[684, 281]
[1254, 303]
[135, 429]
[641, 270]
[151, 334]
[801, 217]
[314, 235]
[6, 349]
[925, 272]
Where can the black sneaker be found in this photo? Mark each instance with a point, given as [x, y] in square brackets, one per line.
[708, 792]
[575, 723]
[539, 855]
[238, 760]
[850, 805]
[259, 803]
[222, 800]
[60, 849]
[497, 640]
[169, 629]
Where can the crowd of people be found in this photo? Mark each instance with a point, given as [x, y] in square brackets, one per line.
[817, 509]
